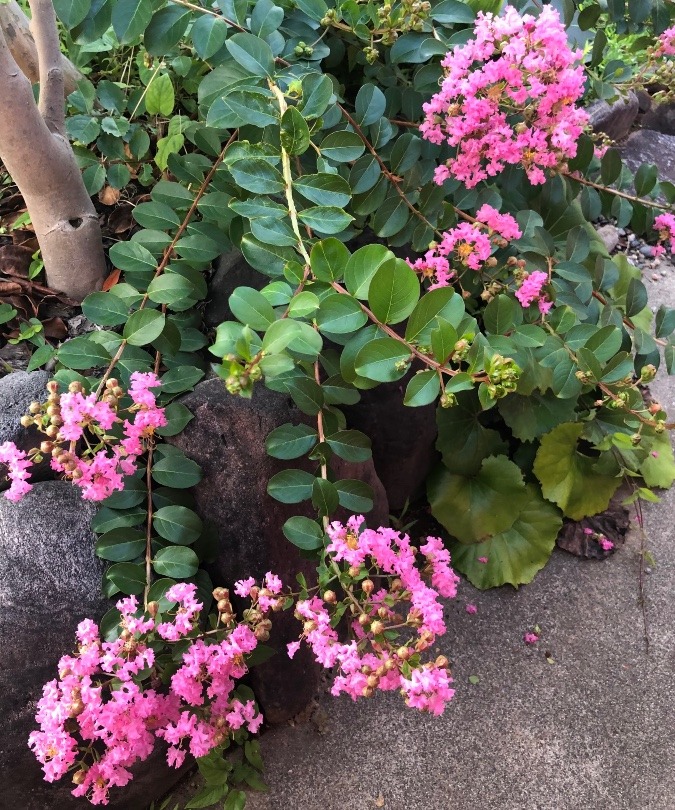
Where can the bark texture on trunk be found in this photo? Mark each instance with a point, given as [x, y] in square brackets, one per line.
[38, 156]
[16, 28]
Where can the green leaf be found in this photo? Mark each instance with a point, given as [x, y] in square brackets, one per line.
[134, 493]
[126, 577]
[659, 470]
[314, 9]
[636, 297]
[94, 179]
[422, 389]
[279, 335]
[605, 343]
[340, 314]
[290, 441]
[370, 105]
[342, 147]
[324, 189]
[181, 378]
[664, 324]
[257, 175]
[440, 303]
[177, 524]
[177, 417]
[378, 360]
[303, 533]
[515, 555]
[325, 219]
[610, 166]
[130, 18]
[328, 259]
[394, 292]
[251, 308]
[178, 562]
[132, 257]
[71, 12]
[208, 35]
[500, 315]
[106, 519]
[104, 309]
[325, 497]
[568, 477]
[208, 796]
[351, 445]
[362, 266]
[236, 800]
[391, 216]
[82, 353]
[317, 91]
[143, 326]
[176, 470]
[120, 545]
[291, 486]
[294, 132]
[166, 28]
[307, 395]
[266, 18]
[645, 179]
[156, 215]
[357, 496]
[473, 508]
[251, 54]
[531, 416]
[449, 12]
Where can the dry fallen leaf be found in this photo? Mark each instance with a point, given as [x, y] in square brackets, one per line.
[379, 802]
[109, 195]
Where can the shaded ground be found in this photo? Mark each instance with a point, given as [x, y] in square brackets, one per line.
[591, 731]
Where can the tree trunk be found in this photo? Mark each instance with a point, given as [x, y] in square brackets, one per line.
[38, 156]
[16, 27]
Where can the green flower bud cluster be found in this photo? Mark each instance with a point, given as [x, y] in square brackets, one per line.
[239, 378]
[302, 49]
[647, 373]
[503, 373]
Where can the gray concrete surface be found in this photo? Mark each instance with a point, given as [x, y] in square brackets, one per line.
[592, 731]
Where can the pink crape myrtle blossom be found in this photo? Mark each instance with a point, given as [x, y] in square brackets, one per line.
[100, 469]
[104, 696]
[370, 661]
[471, 609]
[530, 291]
[666, 42]
[530, 638]
[665, 224]
[17, 471]
[508, 98]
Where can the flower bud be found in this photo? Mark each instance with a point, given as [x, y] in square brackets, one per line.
[442, 662]
[35, 407]
[53, 387]
[354, 570]
[330, 597]
[220, 593]
[655, 408]
[373, 681]
[153, 608]
[377, 628]
[75, 387]
[52, 431]
[367, 586]
[27, 421]
[79, 777]
[404, 653]
[363, 620]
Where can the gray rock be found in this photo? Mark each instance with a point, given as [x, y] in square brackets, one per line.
[661, 117]
[615, 119]
[647, 251]
[648, 146]
[610, 236]
[227, 438]
[50, 579]
[232, 271]
[17, 391]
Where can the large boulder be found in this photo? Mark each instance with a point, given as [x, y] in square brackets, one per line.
[232, 271]
[615, 119]
[660, 117]
[17, 391]
[403, 440]
[50, 579]
[648, 146]
[227, 438]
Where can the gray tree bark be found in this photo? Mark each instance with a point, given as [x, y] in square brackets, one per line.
[38, 156]
[16, 28]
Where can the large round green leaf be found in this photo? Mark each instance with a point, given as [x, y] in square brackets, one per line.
[568, 477]
[513, 556]
[179, 562]
[473, 508]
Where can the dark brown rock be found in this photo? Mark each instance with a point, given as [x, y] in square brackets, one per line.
[648, 146]
[233, 271]
[227, 438]
[615, 119]
[50, 579]
[403, 440]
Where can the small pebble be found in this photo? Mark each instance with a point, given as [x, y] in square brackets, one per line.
[647, 250]
[655, 276]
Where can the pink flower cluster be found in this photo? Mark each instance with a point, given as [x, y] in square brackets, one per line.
[666, 42]
[665, 224]
[468, 244]
[98, 718]
[70, 417]
[508, 98]
[530, 291]
[17, 470]
[369, 661]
